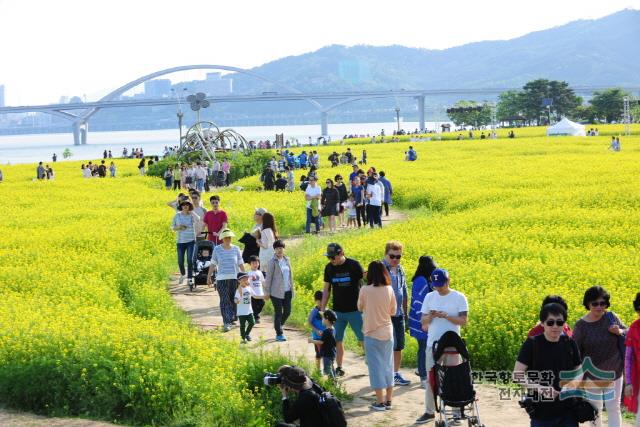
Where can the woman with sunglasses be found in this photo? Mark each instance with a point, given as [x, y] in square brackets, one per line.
[539, 329]
[632, 364]
[184, 223]
[554, 352]
[330, 200]
[597, 334]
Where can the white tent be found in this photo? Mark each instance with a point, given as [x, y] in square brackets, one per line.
[566, 127]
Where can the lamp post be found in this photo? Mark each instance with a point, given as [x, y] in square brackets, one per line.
[180, 114]
[398, 118]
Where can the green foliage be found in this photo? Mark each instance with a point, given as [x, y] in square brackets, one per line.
[67, 153]
[471, 118]
[242, 165]
[608, 104]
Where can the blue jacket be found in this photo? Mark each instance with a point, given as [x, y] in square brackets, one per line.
[388, 190]
[419, 290]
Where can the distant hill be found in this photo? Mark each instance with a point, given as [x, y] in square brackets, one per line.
[603, 51]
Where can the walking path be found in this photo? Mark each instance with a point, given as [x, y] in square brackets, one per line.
[408, 403]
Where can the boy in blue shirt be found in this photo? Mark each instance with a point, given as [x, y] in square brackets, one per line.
[317, 327]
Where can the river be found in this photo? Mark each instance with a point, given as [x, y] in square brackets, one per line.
[40, 147]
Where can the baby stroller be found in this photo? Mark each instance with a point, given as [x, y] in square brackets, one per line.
[201, 262]
[453, 391]
[219, 179]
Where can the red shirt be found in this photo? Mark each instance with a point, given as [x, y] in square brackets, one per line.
[539, 330]
[214, 221]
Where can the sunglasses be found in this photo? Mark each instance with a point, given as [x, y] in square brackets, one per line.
[598, 303]
[557, 322]
[331, 257]
[392, 256]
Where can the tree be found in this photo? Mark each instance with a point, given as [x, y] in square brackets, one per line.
[635, 112]
[563, 99]
[584, 113]
[67, 153]
[509, 106]
[608, 104]
[482, 117]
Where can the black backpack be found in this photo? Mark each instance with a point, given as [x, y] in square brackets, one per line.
[330, 408]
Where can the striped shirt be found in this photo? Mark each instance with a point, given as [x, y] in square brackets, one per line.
[188, 234]
[228, 262]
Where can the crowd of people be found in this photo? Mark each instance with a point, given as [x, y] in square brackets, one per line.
[92, 170]
[199, 176]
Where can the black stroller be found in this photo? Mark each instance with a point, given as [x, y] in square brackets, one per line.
[454, 393]
[201, 261]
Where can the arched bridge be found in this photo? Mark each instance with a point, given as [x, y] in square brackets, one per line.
[80, 121]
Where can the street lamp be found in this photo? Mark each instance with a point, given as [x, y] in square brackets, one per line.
[179, 113]
[398, 118]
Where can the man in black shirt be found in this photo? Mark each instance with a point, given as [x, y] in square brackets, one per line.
[307, 407]
[343, 277]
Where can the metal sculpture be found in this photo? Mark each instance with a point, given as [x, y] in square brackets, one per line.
[207, 138]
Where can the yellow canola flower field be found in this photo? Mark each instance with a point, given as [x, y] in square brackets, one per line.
[87, 326]
[512, 220]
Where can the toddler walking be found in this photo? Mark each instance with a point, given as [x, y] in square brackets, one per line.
[256, 278]
[315, 321]
[244, 311]
[327, 343]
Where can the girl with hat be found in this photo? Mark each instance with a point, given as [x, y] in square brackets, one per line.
[184, 223]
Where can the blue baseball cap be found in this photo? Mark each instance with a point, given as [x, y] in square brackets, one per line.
[439, 277]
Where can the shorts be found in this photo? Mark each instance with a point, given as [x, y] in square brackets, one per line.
[398, 332]
[354, 319]
[341, 208]
[317, 348]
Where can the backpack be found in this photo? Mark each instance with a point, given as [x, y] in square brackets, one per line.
[330, 408]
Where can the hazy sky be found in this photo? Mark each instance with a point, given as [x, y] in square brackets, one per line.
[50, 48]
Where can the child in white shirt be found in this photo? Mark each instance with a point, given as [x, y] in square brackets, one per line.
[243, 307]
[350, 206]
[256, 279]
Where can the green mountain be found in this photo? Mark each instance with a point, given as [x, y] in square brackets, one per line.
[602, 52]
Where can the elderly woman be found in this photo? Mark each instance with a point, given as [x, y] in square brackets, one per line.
[184, 223]
[227, 260]
[597, 334]
[377, 302]
[279, 287]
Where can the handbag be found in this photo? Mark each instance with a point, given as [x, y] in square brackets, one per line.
[620, 338]
[582, 409]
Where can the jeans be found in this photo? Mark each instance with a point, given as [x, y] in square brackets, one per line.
[312, 220]
[200, 185]
[567, 420]
[360, 213]
[246, 324]
[373, 213]
[281, 311]
[176, 184]
[386, 208]
[182, 248]
[422, 358]
[327, 367]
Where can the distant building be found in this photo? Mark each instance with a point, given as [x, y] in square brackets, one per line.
[158, 88]
[1, 95]
[213, 85]
[64, 99]
[75, 100]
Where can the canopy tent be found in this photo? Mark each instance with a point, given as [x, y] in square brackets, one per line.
[566, 127]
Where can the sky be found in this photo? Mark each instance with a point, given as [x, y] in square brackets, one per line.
[73, 47]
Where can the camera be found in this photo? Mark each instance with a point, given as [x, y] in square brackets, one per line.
[271, 379]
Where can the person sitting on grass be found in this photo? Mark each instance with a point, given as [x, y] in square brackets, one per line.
[317, 326]
[327, 343]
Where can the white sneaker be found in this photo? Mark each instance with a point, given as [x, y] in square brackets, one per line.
[423, 383]
[181, 280]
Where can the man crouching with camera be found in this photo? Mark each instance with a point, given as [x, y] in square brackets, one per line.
[306, 407]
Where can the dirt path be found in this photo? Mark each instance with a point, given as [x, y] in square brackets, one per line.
[408, 403]
[9, 418]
